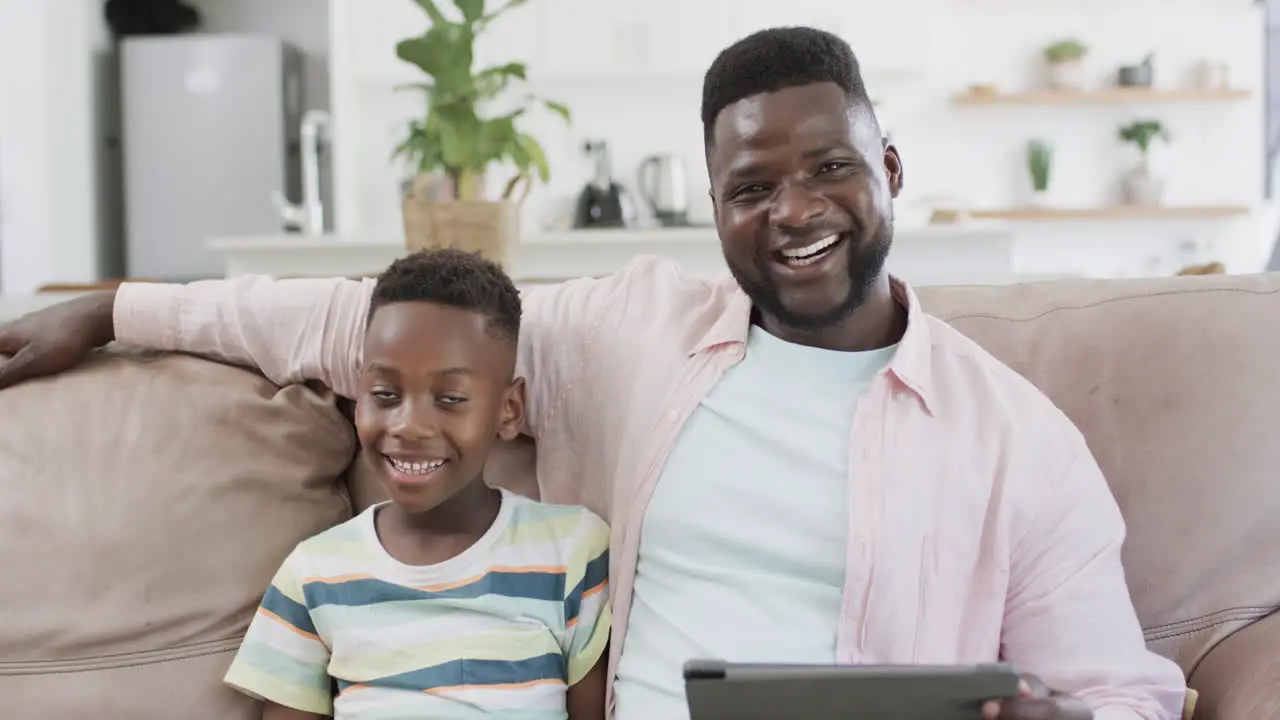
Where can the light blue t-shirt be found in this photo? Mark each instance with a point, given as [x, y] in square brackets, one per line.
[742, 550]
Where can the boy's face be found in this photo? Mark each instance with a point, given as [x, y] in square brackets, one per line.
[435, 394]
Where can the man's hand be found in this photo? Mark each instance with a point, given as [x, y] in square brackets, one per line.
[1035, 701]
[55, 339]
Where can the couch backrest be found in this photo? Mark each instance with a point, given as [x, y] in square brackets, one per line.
[145, 503]
[1175, 383]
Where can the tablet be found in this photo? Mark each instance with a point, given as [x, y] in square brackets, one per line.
[727, 691]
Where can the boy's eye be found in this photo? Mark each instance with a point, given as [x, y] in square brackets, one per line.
[451, 399]
[384, 395]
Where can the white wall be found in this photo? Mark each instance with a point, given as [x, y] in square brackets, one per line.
[50, 149]
[631, 72]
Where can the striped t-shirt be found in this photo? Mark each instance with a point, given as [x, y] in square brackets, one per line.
[502, 629]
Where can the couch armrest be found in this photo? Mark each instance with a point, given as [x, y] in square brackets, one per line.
[1240, 678]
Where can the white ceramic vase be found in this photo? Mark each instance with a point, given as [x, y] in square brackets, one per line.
[1140, 186]
[1040, 198]
[1066, 75]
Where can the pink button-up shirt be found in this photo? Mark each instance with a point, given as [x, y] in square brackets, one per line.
[980, 526]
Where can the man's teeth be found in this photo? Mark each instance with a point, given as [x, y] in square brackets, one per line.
[806, 254]
[415, 468]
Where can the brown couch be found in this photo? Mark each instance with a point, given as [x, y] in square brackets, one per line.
[146, 500]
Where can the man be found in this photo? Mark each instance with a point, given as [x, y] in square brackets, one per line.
[798, 464]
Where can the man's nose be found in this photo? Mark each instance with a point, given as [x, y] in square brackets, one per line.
[796, 206]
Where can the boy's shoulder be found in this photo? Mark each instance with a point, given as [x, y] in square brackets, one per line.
[538, 523]
[345, 542]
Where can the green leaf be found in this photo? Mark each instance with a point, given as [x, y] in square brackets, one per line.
[472, 10]
[537, 157]
[520, 157]
[558, 109]
[511, 69]
[443, 52]
[458, 144]
[492, 82]
[432, 11]
[426, 88]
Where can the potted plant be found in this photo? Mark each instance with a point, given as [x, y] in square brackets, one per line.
[1064, 61]
[1039, 163]
[1139, 185]
[453, 147]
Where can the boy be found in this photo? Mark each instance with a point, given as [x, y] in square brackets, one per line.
[453, 599]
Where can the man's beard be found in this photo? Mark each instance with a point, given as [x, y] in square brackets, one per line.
[866, 263]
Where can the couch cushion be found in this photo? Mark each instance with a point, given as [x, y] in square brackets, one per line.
[145, 502]
[1175, 383]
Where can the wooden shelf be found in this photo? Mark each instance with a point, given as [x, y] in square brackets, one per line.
[1104, 96]
[1114, 213]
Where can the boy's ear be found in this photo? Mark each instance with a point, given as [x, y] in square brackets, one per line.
[512, 410]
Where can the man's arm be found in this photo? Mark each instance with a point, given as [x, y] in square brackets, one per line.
[1069, 618]
[313, 329]
[290, 330]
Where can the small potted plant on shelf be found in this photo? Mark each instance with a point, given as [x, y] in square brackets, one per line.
[1139, 185]
[1039, 163]
[1064, 61]
[453, 147]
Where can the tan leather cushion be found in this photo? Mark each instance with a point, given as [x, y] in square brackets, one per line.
[1240, 679]
[144, 506]
[1176, 385]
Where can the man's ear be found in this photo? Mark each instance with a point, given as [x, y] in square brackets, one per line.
[893, 168]
[512, 410]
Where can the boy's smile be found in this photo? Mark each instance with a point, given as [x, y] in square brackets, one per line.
[409, 472]
[435, 394]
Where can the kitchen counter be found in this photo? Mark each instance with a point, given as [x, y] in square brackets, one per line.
[971, 253]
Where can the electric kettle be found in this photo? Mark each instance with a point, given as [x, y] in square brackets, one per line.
[662, 184]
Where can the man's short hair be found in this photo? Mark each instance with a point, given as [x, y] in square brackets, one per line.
[454, 278]
[770, 60]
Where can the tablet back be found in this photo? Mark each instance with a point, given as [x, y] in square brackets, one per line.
[724, 691]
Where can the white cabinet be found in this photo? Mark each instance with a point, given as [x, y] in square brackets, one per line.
[371, 29]
[613, 38]
[888, 38]
[514, 37]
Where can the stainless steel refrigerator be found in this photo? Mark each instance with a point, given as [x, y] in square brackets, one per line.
[210, 129]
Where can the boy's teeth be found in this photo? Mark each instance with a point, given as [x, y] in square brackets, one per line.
[813, 249]
[415, 468]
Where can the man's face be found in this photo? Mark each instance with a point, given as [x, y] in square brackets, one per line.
[803, 187]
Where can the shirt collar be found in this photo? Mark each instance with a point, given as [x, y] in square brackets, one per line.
[911, 365]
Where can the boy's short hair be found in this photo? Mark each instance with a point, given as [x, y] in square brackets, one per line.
[770, 60]
[454, 278]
